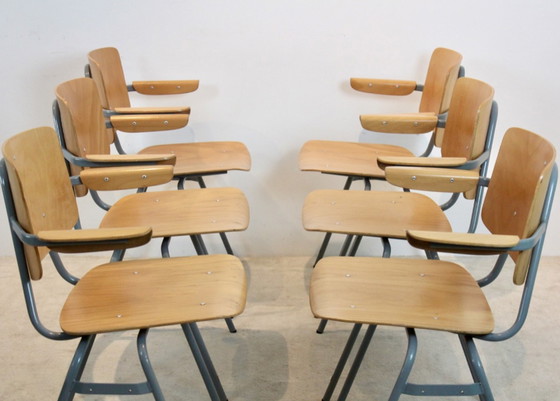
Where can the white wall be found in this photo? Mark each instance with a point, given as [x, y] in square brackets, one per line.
[275, 73]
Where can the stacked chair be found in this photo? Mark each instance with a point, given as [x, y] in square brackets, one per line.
[389, 214]
[440, 295]
[194, 160]
[431, 294]
[116, 296]
[358, 161]
[192, 212]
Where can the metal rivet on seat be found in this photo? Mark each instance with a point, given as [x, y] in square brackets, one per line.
[452, 179]
[370, 84]
[106, 179]
[152, 87]
[119, 316]
[134, 123]
[166, 122]
[416, 123]
[347, 275]
[397, 86]
[353, 306]
[202, 303]
[178, 86]
[413, 178]
[385, 122]
[144, 176]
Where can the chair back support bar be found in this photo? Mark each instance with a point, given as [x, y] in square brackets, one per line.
[43, 200]
[510, 208]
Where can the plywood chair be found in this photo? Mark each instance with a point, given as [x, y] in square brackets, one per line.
[117, 296]
[194, 160]
[358, 161]
[464, 158]
[81, 127]
[440, 295]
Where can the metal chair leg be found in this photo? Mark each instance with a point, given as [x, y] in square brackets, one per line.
[401, 382]
[200, 362]
[476, 368]
[342, 361]
[208, 361]
[147, 366]
[76, 368]
[323, 248]
[357, 363]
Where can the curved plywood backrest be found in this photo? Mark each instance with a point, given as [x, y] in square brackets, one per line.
[467, 123]
[82, 120]
[442, 74]
[515, 197]
[41, 189]
[107, 72]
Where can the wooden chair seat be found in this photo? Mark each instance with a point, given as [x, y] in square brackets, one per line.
[372, 213]
[205, 157]
[426, 294]
[347, 158]
[187, 212]
[150, 293]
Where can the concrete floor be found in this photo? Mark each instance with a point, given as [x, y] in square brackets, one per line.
[276, 354]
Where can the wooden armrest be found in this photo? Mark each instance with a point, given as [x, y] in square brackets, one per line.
[414, 123]
[462, 242]
[116, 160]
[432, 179]
[148, 122]
[152, 110]
[114, 178]
[383, 86]
[90, 240]
[386, 161]
[165, 87]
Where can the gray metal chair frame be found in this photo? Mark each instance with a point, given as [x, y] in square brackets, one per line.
[197, 240]
[349, 249]
[367, 180]
[73, 384]
[481, 386]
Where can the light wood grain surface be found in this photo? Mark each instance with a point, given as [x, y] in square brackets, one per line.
[399, 292]
[155, 292]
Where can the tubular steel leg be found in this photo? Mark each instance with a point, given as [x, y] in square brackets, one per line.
[355, 246]
[342, 361]
[147, 366]
[76, 368]
[322, 325]
[357, 362]
[346, 245]
[208, 361]
[386, 247]
[323, 248]
[202, 367]
[475, 365]
[400, 385]
[165, 247]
